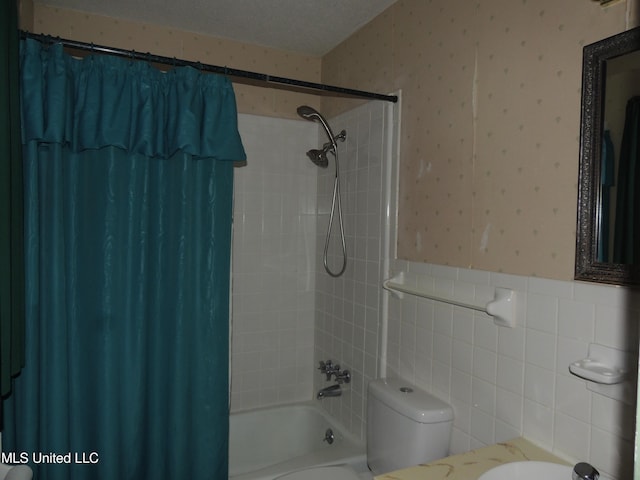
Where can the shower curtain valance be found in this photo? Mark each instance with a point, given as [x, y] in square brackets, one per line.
[90, 104]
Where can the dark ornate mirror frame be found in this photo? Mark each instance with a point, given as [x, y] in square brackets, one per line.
[593, 83]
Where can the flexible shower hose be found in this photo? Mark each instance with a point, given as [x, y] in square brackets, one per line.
[335, 202]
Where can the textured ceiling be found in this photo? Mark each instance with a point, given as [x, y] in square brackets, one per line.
[311, 27]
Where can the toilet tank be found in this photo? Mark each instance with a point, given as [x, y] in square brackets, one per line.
[406, 426]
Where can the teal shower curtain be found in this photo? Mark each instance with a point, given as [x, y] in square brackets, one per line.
[11, 204]
[129, 177]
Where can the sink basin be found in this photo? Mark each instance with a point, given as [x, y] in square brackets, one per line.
[528, 471]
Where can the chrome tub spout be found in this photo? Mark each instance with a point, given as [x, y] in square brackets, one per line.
[332, 391]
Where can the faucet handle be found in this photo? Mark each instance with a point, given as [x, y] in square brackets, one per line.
[331, 369]
[324, 366]
[584, 471]
[343, 377]
[327, 368]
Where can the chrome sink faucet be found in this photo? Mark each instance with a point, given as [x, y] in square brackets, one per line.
[584, 471]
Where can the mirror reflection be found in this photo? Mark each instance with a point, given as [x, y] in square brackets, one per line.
[619, 223]
[608, 227]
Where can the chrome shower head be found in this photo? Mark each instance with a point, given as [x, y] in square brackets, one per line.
[308, 112]
[319, 157]
[311, 114]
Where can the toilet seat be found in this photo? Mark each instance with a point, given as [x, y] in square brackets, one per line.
[322, 473]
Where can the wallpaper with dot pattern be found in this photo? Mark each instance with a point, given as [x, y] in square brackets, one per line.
[160, 40]
[490, 124]
[490, 114]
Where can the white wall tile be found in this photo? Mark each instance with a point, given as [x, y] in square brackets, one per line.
[462, 356]
[273, 263]
[482, 426]
[463, 325]
[611, 454]
[542, 313]
[573, 435]
[460, 385]
[510, 374]
[616, 326]
[539, 385]
[538, 423]
[612, 416]
[501, 382]
[573, 398]
[541, 349]
[353, 300]
[576, 319]
[443, 319]
[511, 342]
[518, 380]
[553, 288]
[505, 432]
[483, 396]
[485, 333]
[484, 364]
[509, 407]
[460, 442]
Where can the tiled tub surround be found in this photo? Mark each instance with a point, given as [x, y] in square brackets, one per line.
[509, 382]
[502, 382]
[273, 264]
[348, 308]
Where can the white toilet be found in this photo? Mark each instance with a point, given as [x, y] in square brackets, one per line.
[405, 426]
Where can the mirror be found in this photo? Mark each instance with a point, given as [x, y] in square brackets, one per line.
[608, 227]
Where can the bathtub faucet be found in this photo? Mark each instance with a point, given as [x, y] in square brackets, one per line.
[332, 391]
[329, 369]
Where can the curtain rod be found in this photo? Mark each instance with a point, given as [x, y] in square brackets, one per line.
[251, 78]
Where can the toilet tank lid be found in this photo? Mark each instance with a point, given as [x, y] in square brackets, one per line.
[410, 401]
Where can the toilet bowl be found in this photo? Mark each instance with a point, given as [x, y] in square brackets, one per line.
[405, 426]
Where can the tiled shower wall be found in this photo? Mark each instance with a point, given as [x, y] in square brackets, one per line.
[509, 382]
[348, 308]
[502, 382]
[274, 252]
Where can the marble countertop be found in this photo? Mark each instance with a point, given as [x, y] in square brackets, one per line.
[470, 465]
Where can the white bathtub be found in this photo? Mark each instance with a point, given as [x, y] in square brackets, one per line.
[269, 442]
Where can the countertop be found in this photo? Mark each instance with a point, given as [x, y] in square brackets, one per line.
[470, 465]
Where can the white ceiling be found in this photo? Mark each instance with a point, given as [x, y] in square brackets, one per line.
[312, 27]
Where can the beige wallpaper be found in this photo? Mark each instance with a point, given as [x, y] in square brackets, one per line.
[25, 13]
[490, 113]
[490, 124]
[170, 42]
